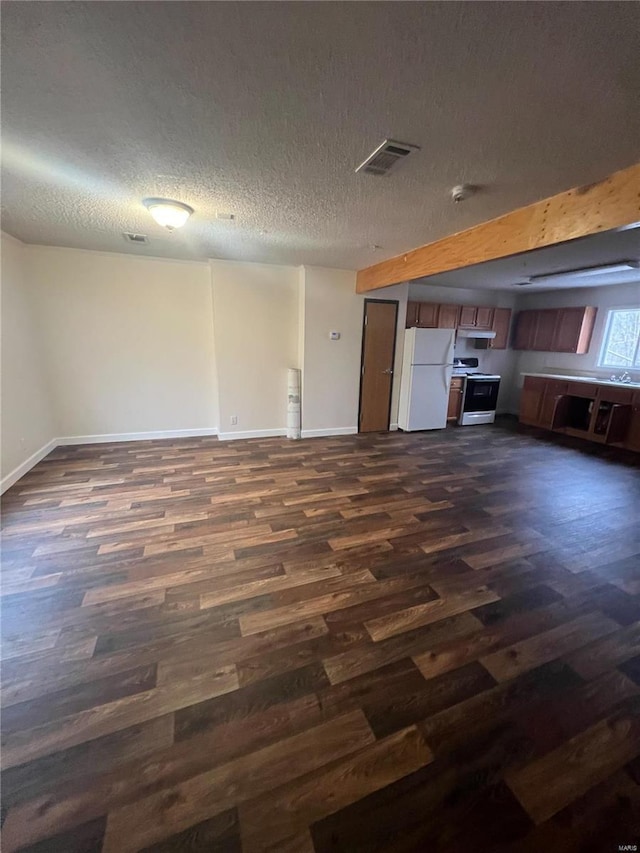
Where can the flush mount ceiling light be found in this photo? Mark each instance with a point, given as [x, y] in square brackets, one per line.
[168, 213]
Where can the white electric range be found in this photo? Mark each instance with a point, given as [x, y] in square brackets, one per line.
[480, 392]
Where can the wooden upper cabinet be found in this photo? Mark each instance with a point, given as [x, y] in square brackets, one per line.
[501, 322]
[476, 317]
[413, 313]
[574, 328]
[448, 316]
[544, 332]
[431, 315]
[428, 315]
[555, 330]
[467, 317]
[484, 318]
[526, 322]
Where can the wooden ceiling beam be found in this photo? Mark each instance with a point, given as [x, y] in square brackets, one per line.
[611, 203]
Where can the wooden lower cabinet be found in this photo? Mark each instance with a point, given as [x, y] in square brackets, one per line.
[531, 399]
[455, 399]
[550, 409]
[586, 410]
[632, 441]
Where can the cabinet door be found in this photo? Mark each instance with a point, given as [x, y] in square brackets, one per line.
[632, 438]
[544, 333]
[413, 314]
[484, 318]
[616, 395]
[569, 326]
[531, 400]
[574, 329]
[619, 422]
[455, 400]
[448, 316]
[467, 317]
[554, 391]
[428, 315]
[501, 321]
[526, 322]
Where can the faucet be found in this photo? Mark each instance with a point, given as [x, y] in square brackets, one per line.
[624, 377]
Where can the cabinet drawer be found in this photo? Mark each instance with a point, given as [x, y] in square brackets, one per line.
[457, 382]
[557, 386]
[582, 389]
[535, 383]
[616, 395]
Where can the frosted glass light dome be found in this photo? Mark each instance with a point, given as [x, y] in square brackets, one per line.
[170, 214]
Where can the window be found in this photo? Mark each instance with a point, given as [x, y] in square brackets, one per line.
[621, 344]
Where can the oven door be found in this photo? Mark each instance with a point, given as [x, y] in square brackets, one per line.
[481, 395]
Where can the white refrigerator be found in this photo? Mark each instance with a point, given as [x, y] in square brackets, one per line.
[427, 363]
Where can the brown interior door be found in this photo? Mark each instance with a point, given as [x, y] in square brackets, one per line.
[378, 347]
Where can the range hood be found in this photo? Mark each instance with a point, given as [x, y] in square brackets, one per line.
[475, 333]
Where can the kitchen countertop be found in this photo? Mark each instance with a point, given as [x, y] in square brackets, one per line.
[592, 380]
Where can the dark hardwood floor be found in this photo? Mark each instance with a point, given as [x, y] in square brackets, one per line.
[385, 642]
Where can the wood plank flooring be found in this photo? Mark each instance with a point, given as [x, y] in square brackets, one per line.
[385, 642]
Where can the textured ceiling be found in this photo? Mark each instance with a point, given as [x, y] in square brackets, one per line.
[265, 109]
[609, 247]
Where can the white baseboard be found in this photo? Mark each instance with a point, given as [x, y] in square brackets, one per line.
[252, 433]
[136, 436]
[13, 476]
[393, 427]
[320, 433]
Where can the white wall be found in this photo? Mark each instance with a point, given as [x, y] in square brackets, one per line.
[603, 298]
[256, 339]
[331, 369]
[27, 423]
[128, 341]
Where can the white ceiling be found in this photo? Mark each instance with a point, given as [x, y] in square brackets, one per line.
[265, 110]
[609, 247]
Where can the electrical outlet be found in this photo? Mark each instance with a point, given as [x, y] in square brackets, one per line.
[234, 420]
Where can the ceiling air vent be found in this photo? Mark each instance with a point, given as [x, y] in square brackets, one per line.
[386, 156]
[130, 237]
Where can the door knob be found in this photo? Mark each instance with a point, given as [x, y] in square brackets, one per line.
[388, 371]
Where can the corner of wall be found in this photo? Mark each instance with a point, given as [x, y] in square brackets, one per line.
[28, 422]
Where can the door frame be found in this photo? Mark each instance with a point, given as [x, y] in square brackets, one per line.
[395, 302]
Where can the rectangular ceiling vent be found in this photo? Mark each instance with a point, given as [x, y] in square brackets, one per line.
[130, 237]
[386, 157]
